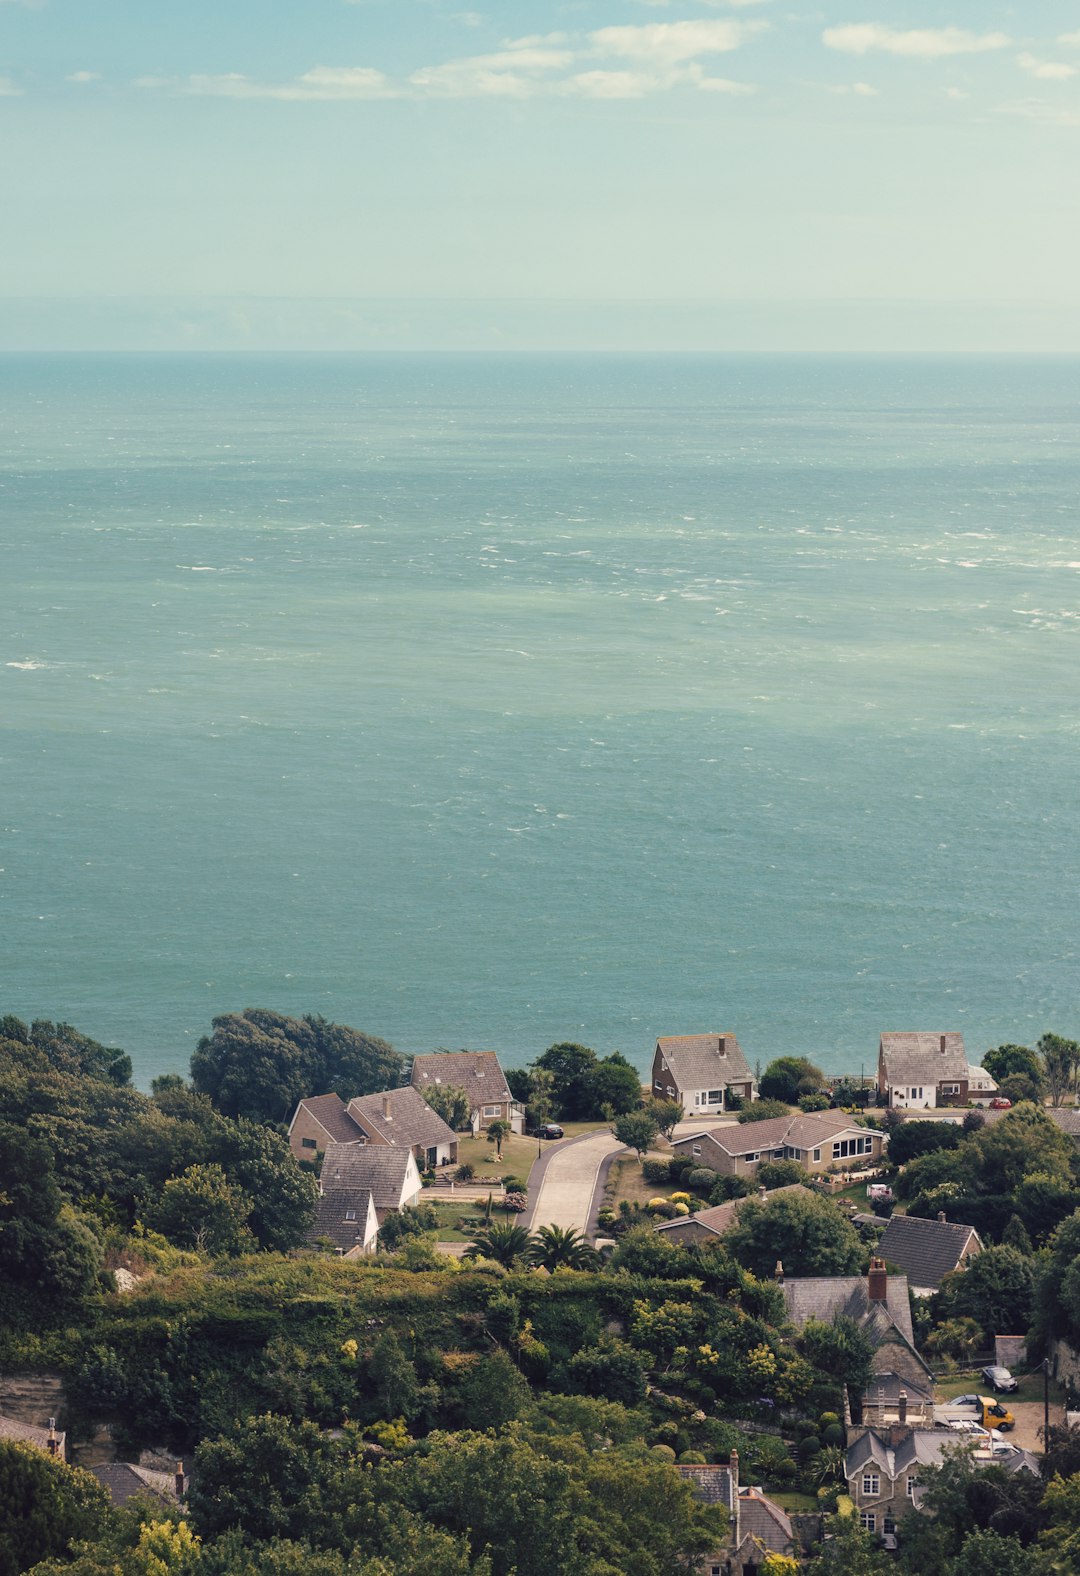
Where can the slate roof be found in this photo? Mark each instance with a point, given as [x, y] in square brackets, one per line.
[477, 1072]
[697, 1063]
[801, 1130]
[1067, 1120]
[27, 1434]
[721, 1217]
[378, 1168]
[765, 1523]
[330, 1221]
[919, 1447]
[916, 1057]
[411, 1120]
[926, 1250]
[330, 1112]
[835, 1296]
[123, 1481]
[712, 1485]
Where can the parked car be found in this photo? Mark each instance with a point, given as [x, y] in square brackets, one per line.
[999, 1103]
[548, 1130]
[999, 1378]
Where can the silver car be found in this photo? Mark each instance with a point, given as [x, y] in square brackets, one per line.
[999, 1378]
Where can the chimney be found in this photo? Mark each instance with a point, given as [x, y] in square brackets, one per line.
[943, 1045]
[52, 1441]
[386, 1107]
[722, 1045]
[941, 1216]
[902, 1407]
[779, 1273]
[898, 1432]
[733, 1468]
[877, 1282]
[178, 1480]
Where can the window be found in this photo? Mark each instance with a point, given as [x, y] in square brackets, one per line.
[852, 1146]
[350, 1214]
[750, 1158]
[492, 1110]
[871, 1484]
[817, 1154]
[309, 1143]
[867, 1521]
[911, 1487]
[950, 1088]
[714, 1097]
[915, 1094]
[697, 1149]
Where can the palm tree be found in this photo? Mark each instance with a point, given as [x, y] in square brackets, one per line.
[558, 1246]
[496, 1132]
[505, 1244]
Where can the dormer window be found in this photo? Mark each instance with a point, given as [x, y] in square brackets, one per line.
[350, 1214]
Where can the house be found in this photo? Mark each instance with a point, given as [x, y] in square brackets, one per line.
[124, 1480]
[981, 1087]
[345, 1216]
[709, 1225]
[927, 1250]
[900, 1382]
[388, 1172]
[882, 1470]
[919, 1071]
[700, 1071]
[481, 1077]
[52, 1442]
[816, 1140]
[757, 1526]
[397, 1117]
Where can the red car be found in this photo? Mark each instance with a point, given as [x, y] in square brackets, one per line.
[999, 1103]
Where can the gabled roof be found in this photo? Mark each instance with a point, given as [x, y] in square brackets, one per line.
[331, 1212]
[379, 1168]
[477, 1072]
[922, 1057]
[411, 1120]
[926, 1250]
[330, 1113]
[123, 1481]
[763, 1521]
[705, 1061]
[800, 1130]
[712, 1485]
[918, 1447]
[829, 1297]
[27, 1434]
[721, 1217]
[1067, 1120]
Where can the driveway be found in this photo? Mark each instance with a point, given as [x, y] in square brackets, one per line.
[562, 1183]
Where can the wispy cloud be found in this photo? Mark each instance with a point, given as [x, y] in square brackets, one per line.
[734, 5]
[8, 89]
[84, 76]
[924, 43]
[1039, 110]
[859, 89]
[1046, 70]
[322, 82]
[1069, 38]
[669, 43]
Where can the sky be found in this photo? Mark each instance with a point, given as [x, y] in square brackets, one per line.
[530, 174]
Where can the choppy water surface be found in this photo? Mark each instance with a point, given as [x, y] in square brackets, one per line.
[494, 702]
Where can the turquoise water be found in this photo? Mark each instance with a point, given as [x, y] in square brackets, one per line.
[491, 702]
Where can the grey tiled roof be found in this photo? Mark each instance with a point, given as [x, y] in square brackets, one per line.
[916, 1057]
[380, 1168]
[330, 1221]
[919, 1447]
[477, 1072]
[765, 1522]
[696, 1061]
[124, 1481]
[1067, 1119]
[800, 1130]
[411, 1120]
[830, 1297]
[27, 1434]
[329, 1111]
[720, 1217]
[926, 1250]
[713, 1485]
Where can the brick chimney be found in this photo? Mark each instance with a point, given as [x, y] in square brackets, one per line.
[733, 1467]
[386, 1107]
[941, 1216]
[898, 1432]
[178, 1480]
[902, 1407]
[779, 1273]
[877, 1281]
[722, 1045]
[943, 1045]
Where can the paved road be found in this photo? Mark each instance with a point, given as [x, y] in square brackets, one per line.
[567, 1182]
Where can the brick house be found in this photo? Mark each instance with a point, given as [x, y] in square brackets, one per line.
[816, 1140]
[397, 1117]
[757, 1526]
[481, 1077]
[922, 1070]
[700, 1071]
[388, 1172]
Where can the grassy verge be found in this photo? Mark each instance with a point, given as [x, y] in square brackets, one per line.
[792, 1501]
[519, 1151]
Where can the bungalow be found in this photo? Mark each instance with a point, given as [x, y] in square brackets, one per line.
[700, 1071]
[901, 1385]
[709, 1225]
[395, 1117]
[481, 1077]
[919, 1071]
[46, 1439]
[927, 1250]
[816, 1140]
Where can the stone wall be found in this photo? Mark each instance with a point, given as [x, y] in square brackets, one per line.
[33, 1399]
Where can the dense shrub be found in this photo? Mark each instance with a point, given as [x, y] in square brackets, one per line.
[702, 1179]
[655, 1171]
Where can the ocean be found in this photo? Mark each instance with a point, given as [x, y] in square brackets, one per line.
[494, 701]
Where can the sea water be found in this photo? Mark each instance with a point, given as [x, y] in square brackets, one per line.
[497, 701]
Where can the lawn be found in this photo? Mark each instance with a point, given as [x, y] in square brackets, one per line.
[519, 1152]
[972, 1381]
[793, 1502]
[450, 1214]
[626, 1181]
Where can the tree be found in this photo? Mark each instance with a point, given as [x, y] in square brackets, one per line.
[912, 1139]
[506, 1245]
[780, 1173]
[491, 1392]
[1005, 1061]
[45, 1507]
[667, 1115]
[1026, 1139]
[849, 1551]
[996, 1288]
[558, 1247]
[611, 1370]
[842, 1349]
[1060, 1058]
[452, 1104]
[806, 1233]
[613, 1084]
[571, 1067]
[201, 1209]
[496, 1132]
[763, 1111]
[540, 1096]
[394, 1376]
[637, 1130]
[788, 1077]
[267, 1477]
[984, 1551]
[259, 1164]
[46, 1248]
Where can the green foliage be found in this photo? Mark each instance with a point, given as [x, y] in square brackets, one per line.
[813, 1102]
[1008, 1060]
[788, 1077]
[842, 1349]
[701, 1180]
[986, 1553]
[996, 1289]
[805, 1232]
[452, 1104]
[780, 1173]
[46, 1249]
[583, 1086]
[1059, 1058]
[401, 1224]
[637, 1130]
[763, 1110]
[611, 1370]
[259, 1064]
[556, 1247]
[912, 1139]
[496, 1132]
[201, 1209]
[657, 1171]
[66, 1051]
[505, 1245]
[45, 1507]
[667, 1113]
